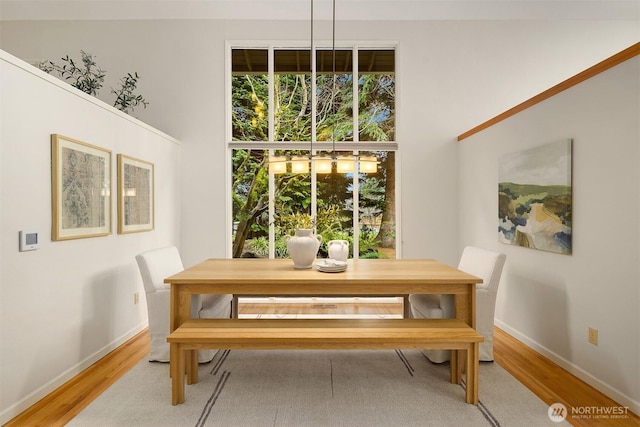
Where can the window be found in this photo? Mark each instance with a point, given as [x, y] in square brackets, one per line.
[282, 107]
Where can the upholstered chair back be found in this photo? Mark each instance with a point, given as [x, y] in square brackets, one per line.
[156, 265]
[479, 262]
[485, 264]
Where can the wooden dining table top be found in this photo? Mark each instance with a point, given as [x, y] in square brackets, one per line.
[363, 276]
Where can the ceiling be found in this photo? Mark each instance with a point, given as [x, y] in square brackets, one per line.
[11, 10]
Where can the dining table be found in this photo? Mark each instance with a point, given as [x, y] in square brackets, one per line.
[362, 278]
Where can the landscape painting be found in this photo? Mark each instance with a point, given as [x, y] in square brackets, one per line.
[534, 198]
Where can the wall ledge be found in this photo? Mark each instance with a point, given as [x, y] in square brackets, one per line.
[35, 71]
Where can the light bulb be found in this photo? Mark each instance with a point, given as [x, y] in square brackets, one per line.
[323, 164]
[277, 164]
[368, 164]
[299, 164]
[345, 164]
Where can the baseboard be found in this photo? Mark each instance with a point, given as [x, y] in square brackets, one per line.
[19, 407]
[578, 372]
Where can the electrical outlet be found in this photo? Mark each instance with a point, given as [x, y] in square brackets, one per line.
[593, 336]
[136, 298]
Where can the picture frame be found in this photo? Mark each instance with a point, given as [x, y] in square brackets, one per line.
[80, 189]
[136, 197]
[535, 204]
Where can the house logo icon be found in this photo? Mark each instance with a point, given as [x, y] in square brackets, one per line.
[557, 412]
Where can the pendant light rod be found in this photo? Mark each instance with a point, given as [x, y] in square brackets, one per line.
[278, 164]
[311, 69]
[333, 90]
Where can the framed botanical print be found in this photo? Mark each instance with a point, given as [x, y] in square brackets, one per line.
[80, 189]
[135, 195]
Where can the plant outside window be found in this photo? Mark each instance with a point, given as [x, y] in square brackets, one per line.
[330, 208]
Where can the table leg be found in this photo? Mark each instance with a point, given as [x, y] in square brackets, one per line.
[463, 309]
[173, 309]
[406, 307]
[180, 312]
[234, 307]
[180, 308]
[455, 373]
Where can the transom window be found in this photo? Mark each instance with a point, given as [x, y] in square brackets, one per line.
[289, 105]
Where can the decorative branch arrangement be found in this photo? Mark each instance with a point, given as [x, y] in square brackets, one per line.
[89, 78]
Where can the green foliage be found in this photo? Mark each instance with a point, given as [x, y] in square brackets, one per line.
[292, 107]
[371, 254]
[126, 99]
[328, 224]
[368, 241]
[292, 122]
[290, 222]
[334, 120]
[376, 101]
[371, 200]
[89, 78]
[328, 221]
[258, 246]
[250, 104]
[293, 193]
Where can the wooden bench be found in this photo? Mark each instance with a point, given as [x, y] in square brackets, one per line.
[298, 334]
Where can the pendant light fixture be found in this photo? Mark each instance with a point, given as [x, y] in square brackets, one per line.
[323, 164]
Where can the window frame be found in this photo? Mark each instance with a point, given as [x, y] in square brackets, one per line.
[313, 146]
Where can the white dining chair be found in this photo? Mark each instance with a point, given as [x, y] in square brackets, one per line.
[478, 262]
[155, 265]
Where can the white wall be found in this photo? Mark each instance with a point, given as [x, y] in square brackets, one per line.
[449, 73]
[452, 75]
[67, 304]
[548, 300]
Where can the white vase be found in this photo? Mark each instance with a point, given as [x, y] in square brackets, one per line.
[303, 247]
[338, 250]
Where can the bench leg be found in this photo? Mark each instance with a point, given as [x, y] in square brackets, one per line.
[192, 366]
[176, 366]
[472, 368]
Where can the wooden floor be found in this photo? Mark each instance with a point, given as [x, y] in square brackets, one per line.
[544, 378]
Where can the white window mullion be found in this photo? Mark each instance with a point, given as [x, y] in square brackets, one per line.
[356, 138]
[314, 178]
[228, 163]
[355, 106]
[272, 186]
[356, 207]
[272, 212]
[271, 113]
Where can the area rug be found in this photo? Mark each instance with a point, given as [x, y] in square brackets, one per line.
[315, 388]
